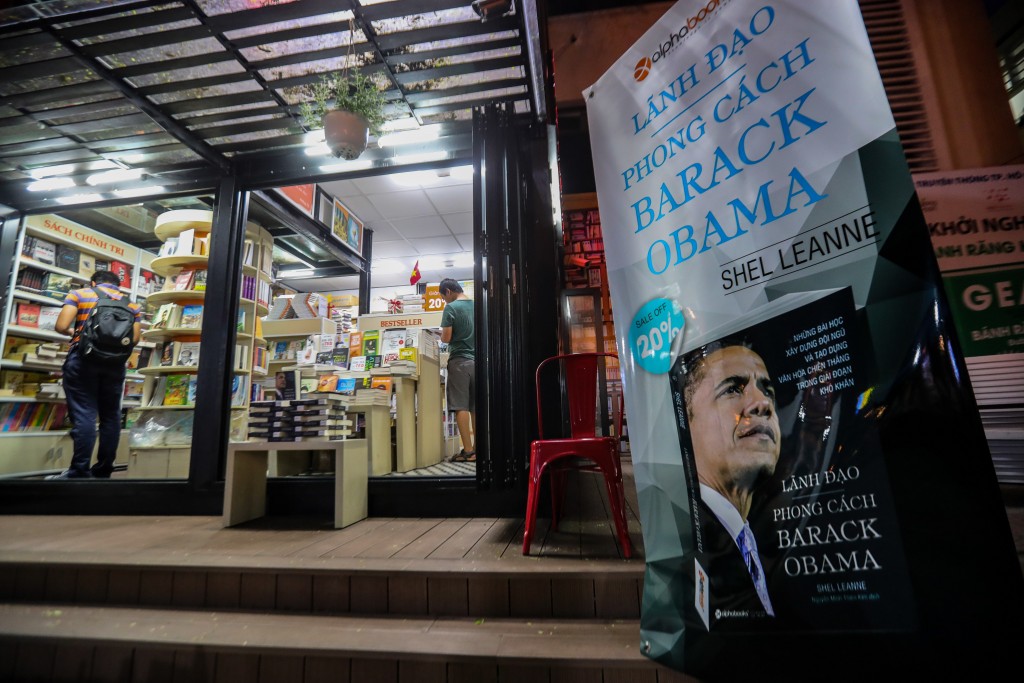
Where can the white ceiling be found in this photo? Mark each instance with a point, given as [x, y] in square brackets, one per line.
[423, 216]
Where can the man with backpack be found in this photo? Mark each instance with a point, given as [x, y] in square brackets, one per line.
[104, 327]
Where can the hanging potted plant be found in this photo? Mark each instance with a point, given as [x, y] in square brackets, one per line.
[348, 106]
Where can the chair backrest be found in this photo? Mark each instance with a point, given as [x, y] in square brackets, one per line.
[581, 389]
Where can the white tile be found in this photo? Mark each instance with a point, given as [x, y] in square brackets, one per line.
[451, 199]
[393, 249]
[460, 223]
[421, 226]
[402, 204]
[362, 207]
[437, 245]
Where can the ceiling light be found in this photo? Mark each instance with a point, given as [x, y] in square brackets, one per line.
[49, 171]
[116, 176]
[140, 191]
[346, 166]
[57, 183]
[319, 149]
[80, 199]
[464, 260]
[418, 158]
[409, 137]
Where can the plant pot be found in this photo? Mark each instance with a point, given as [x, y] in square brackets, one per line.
[346, 134]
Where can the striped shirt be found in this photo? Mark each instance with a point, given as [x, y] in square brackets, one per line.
[85, 300]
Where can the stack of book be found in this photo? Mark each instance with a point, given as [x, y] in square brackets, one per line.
[412, 303]
[271, 421]
[399, 368]
[322, 418]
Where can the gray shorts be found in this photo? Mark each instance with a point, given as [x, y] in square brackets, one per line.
[461, 384]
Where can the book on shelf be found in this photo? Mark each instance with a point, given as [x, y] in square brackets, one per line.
[392, 341]
[240, 325]
[68, 257]
[157, 391]
[183, 280]
[186, 354]
[28, 314]
[102, 264]
[57, 285]
[27, 245]
[248, 253]
[193, 382]
[383, 383]
[123, 272]
[371, 342]
[242, 358]
[44, 251]
[327, 383]
[86, 265]
[48, 318]
[167, 354]
[186, 238]
[259, 359]
[199, 281]
[169, 247]
[162, 319]
[176, 391]
[191, 316]
[357, 363]
[286, 385]
[238, 390]
[281, 310]
[30, 278]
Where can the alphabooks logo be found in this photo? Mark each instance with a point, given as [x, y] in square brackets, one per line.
[643, 67]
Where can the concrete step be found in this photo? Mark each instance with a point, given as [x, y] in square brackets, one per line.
[480, 589]
[67, 642]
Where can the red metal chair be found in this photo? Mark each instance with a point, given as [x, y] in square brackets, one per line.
[583, 449]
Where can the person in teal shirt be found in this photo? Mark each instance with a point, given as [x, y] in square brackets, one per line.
[458, 333]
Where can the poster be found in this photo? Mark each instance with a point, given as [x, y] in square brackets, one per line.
[346, 228]
[795, 394]
[976, 223]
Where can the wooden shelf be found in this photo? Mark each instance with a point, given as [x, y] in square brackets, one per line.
[167, 266]
[38, 298]
[169, 333]
[173, 223]
[36, 333]
[176, 296]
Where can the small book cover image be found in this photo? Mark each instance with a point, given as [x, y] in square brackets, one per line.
[68, 257]
[86, 265]
[60, 284]
[357, 363]
[176, 393]
[123, 272]
[48, 317]
[159, 389]
[371, 340]
[188, 354]
[240, 327]
[44, 252]
[191, 398]
[355, 343]
[28, 315]
[169, 247]
[327, 383]
[346, 385]
[284, 384]
[183, 280]
[407, 353]
[199, 281]
[167, 354]
[382, 382]
[339, 356]
[102, 265]
[191, 316]
[237, 391]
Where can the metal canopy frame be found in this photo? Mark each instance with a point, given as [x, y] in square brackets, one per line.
[187, 92]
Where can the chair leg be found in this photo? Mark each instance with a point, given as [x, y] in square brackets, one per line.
[531, 504]
[617, 501]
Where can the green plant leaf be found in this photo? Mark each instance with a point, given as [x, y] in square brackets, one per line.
[351, 91]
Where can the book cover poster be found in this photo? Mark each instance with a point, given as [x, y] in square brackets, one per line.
[796, 396]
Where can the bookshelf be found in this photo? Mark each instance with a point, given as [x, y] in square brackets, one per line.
[162, 425]
[54, 255]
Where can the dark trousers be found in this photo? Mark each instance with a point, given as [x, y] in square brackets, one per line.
[93, 390]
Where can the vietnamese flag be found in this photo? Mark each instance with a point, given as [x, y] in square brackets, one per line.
[415, 276]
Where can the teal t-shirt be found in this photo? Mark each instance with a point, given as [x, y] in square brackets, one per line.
[458, 315]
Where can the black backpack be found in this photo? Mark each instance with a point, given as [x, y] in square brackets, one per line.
[108, 333]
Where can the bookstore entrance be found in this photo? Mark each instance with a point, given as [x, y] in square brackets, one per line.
[252, 258]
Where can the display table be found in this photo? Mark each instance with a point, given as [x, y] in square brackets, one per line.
[245, 490]
[429, 432]
[378, 434]
[406, 432]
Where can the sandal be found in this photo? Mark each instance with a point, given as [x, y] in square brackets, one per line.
[463, 456]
